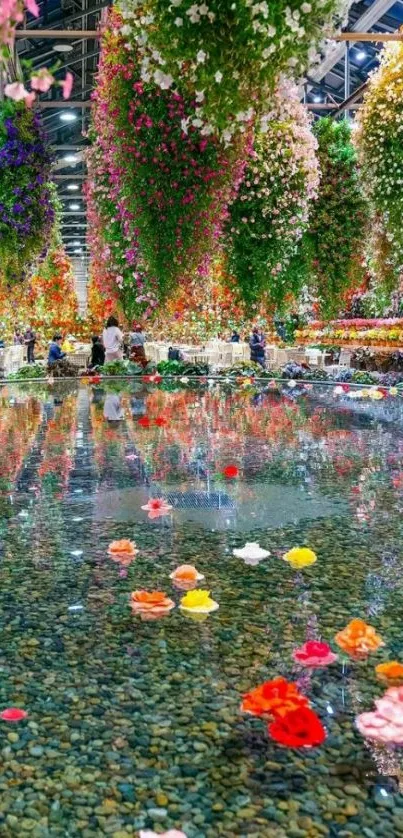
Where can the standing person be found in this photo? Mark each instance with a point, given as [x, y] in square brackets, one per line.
[137, 341]
[257, 347]
[112, 339]
[18, 338]
[29, 341]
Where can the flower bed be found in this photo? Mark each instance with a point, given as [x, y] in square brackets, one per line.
[378, 332]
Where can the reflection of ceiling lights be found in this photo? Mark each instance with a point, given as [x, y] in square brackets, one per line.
[361, 55]
[76, 244]
[62, 47]
[68, 116]
[72, 187]
[71, 158]
[78, 251]
[317, 98]
[74, 207]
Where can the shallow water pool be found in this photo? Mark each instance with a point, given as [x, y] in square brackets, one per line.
[136, 724]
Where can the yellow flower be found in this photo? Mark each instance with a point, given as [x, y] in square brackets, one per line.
[393, 391]
[375, 394]
[300, 557]
[198, 601]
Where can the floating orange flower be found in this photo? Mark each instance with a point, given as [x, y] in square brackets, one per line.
[391, 672]
[123, 551]
[186, 577]
[274, 698]
[151, 605]
[358, 639]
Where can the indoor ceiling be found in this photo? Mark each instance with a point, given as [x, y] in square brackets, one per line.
[67, 126]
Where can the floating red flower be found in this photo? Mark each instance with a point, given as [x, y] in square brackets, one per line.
[313, 654]
[230, 472]
[300, 728]
[273, 698]
[13, 714]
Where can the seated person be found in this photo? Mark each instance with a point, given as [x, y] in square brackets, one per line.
[97, 353]
[55, 352]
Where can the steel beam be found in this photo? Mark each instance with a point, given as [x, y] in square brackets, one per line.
[58, 34]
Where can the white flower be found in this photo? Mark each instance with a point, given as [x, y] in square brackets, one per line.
[251, 554]
[197, 122]
[203, 9]
[218, 76]
[193, 13]
[176, 2]
[164, 80]
[201, 56]
[184, 125]
[306, 8]
[199, 95]
[125, 30]
[178, 21]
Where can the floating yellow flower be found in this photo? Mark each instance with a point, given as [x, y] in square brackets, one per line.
[376, 395]
[300, 557]
[198, 602]
[393, 391]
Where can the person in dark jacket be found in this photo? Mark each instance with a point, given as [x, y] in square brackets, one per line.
[97, 353]
[235, 337]
[55, 352]
[30, 340]
[257, 347]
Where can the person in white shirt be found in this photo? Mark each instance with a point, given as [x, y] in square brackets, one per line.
[112, 339]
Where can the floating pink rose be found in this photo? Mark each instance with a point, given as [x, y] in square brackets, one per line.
[172, 833]
[13, 714]
[385, 723]
[156, 507]
[314, 654]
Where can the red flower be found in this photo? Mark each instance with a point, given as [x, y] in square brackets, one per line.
[160, 421]
[345, 388]
[298, 729]
[273, 698]
[13, 714]
[95, 379]
[230, 472]
[144, 422]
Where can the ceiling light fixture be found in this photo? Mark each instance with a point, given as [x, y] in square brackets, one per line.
[74, 207]
[62, 47]
[71, 158]
[361, 55]
[72, 187]
[317, 98]
[68, 116]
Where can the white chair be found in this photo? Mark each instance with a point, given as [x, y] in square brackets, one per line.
[344, 362]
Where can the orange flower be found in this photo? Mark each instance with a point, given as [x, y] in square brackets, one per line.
[123, 551]
[151, 605]
[274, 698]
[186, 577]
[391, 672]
[358, 639]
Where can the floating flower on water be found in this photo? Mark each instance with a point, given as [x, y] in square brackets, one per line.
[274, 698]
[376, 394]
[338, 391]
[152, 379]
[358, 639]
[95, 379]
[393, 391]
[184, 379]
[252, 553]
[160, 421]
[391, 672]
[300, 557]
[198, 602]
[300, 728]
[144, 422]
[292, 383]
[230, 472]
[172, 833]
[151, 605]
[272, 384]
[156, 507]
[385, 723]
[13, 714]
[314, 654]
[186, 577]
[123, 551]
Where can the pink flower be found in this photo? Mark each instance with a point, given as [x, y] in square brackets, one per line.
[385, 723]
[67, 85]
[156, 507]
[13, 714]
[314, 654]
[42, 81]
[16, 91]
[30, 99]
[32, 7]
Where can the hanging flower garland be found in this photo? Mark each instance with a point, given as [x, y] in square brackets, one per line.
[27, 198]
[160, 189]
[52, 296]
[230, 53]
[271, 210]
[331, 257]
[380, 147]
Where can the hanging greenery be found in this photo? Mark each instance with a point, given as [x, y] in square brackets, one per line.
[27, 198]
[159, 188]
[330, 259]
[379, 141]
[271, 210]
[230, 52]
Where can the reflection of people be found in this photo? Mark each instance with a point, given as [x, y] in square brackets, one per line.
[257, 345]
[97, 353]
[137, 341]
[112, 339]
[30, 340]
[55, 352]
[113, 410]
